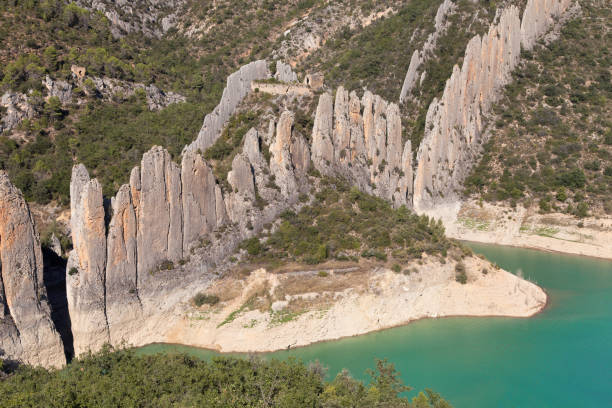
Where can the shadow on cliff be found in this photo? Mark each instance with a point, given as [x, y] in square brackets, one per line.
[55, 282]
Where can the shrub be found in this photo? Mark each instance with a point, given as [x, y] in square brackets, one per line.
[205, 299]
[252, 246]
[323, 274]
[396, 268]
[460, 273]
[73, 271]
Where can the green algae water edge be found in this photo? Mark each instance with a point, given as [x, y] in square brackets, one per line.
[560, 358]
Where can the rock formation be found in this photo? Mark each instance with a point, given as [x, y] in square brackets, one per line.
[17, 108]
[367, 149]
[538, 18]
[284, 73]
[26, 329]
[455, 122]
[153, 18]
[86, 278]
[418, 57]
[110, 88]
[238, 86]
[158, 223]
[60, 89]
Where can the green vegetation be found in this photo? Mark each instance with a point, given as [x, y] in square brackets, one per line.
[125, 379]
[552, 139]
[460, 273]
[378, 56]
[205, 299]
[345, 224]
[109, 137]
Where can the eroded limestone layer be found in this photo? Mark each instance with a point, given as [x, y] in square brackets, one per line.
[538, 18]
[238, 86]
[361, 140]
[454, 123]
[27, 332]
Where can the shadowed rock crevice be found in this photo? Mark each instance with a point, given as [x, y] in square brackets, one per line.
[55, 284]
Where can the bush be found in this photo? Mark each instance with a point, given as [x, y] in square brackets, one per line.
[396, 268]
[73, 271]
[323, 274]
[460, 273]
[205, 299]
[252, 246]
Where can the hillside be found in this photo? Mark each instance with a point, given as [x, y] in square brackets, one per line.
[551, 135]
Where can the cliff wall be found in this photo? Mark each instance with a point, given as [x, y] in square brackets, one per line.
[361, 140]
[238, 86]
[27, 332]
[455, 122]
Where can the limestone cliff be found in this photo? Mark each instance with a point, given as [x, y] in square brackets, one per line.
[365, 148]
[538, 18]
[419, 56]
[171, 225]
[455, 122]
[238, 86]
[27, 332]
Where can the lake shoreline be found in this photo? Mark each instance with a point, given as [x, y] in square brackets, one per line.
[525, 228]
[383, 300]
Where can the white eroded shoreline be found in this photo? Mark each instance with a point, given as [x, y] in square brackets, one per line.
[302, 316]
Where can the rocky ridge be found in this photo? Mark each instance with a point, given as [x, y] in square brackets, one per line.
[153, 18]
[238, 86]
[27, 332]
[419, 56]
[161, 220]
[455, 122]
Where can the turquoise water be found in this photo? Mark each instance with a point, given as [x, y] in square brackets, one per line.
[559, 358]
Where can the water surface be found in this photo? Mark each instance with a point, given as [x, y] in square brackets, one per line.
[559, 358]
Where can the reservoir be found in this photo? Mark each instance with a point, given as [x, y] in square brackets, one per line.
[560, 358]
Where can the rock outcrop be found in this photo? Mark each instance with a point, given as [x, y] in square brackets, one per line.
[86, 277]
[16, 108]
[419, 56]
[284, 73]
[365, 148]
[27, 332]
[238, 86]
[454, 123]
[153, 18]
[110, 88]
[538, 18]
[158, 225]
[60, 89]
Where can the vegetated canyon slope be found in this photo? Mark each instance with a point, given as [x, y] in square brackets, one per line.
[158, 262]
[545, 177]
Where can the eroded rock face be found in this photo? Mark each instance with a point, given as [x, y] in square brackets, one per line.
[284, 73]
[365, 148]
[454, 123]
[538, 18]
[86, 278]
[419, 56]
[27, 332]
[238, 86]
[160, 214]
[60, 89]
[17, 108]
[159, 221]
